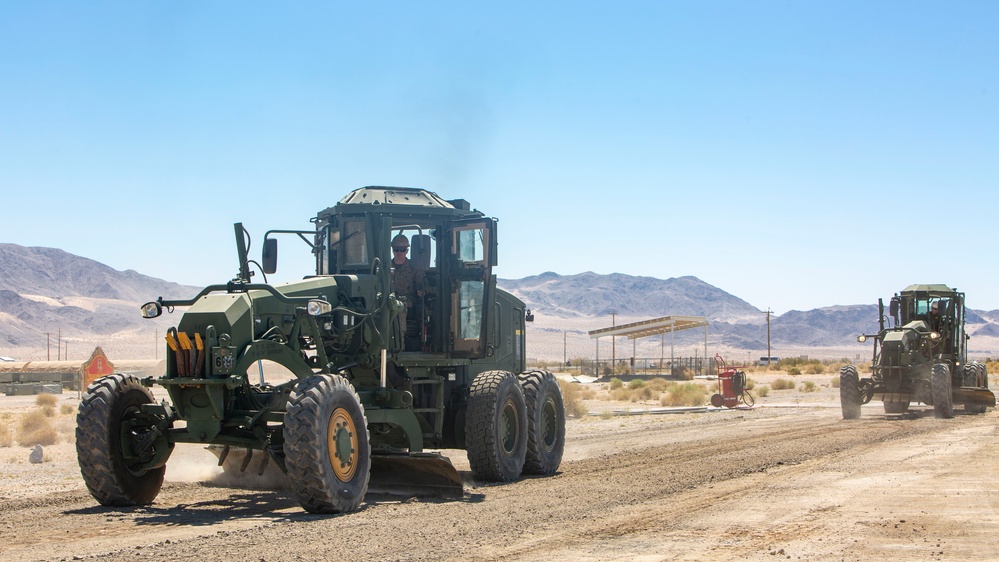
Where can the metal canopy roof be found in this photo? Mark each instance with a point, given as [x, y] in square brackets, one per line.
[652, 327]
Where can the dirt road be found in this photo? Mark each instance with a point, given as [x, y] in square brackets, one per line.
[772, 483]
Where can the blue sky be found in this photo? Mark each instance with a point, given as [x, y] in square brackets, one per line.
[794, 154]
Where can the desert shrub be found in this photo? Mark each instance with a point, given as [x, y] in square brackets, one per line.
[835, 382]
[684, 394]
[816, 369]
[646, 393]
[808, 386]
[686, 374]
[46, 400]
[635, 384]
[49, 411]
[659, 384]
[572, 398]
[36, 429]
[6, 437]
[763, 391]
[794, 371]
[615, 383]
[782, 384]
[750, 384]
[621, 395]
[67, 409]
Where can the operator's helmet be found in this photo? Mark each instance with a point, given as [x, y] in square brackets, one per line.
[400, 241]
[935, 306]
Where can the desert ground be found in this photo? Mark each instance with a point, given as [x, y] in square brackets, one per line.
[787, 479]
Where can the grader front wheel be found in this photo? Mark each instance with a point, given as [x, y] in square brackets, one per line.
[943, 405]
[849, 392]
[115, 442]
[326, 445]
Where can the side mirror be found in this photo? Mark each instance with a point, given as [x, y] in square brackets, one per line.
[529, 317]
[893, 308]
[269, 257]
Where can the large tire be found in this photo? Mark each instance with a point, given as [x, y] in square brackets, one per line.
[943, 405]
[326, 445]
[496, 427]
[545, 422]
[109, 403]
[896, 403]
[849, 392]
[974, 375]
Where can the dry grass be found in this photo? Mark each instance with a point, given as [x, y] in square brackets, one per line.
[67, 409]
[573, 395]
[36, 429]
[6, 437]
[815, 369]
[835, 382]
[763, 391]
[684, 394]
[46, 400]
[782, 384]
[808, 386]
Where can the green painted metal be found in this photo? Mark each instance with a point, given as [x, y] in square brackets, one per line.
[463, 325]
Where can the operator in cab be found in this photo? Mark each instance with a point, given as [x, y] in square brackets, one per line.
[404, 283]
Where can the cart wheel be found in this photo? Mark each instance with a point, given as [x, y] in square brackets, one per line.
[717, 400]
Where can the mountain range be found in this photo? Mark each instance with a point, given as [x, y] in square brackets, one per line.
[46, 293]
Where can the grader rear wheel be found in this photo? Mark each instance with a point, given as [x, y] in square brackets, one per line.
[943, 406]
[849, 392]
[545, 422]
[974, 375]
[896, 403]
[326, 445]
[496, 427]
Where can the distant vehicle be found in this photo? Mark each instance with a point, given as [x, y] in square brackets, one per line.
[7, 359]
[768, 360]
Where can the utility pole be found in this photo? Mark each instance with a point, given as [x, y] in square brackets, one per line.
[59, 343]
[613, 344]
[768, 313]
[563, 348]
[48, 346]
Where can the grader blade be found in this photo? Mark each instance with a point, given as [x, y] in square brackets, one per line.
[975, 396]
[415, 474]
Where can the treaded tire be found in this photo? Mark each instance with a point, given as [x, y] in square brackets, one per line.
[849, 392]
[545, 422]
[326, 445]
[894, 404]
[974, 375]
[496, 427]
[107, 403]
[943, 405]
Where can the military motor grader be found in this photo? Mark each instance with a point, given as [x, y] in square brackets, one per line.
[371, 392]
[921, 356]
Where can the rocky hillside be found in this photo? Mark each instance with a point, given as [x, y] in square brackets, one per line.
[48, 291]
[47, 295]
[590, 294]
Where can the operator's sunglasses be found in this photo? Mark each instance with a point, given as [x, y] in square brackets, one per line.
[400, 250]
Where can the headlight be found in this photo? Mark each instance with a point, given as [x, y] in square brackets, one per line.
[934, 335]
[318, 308]
[861, 338]
[151, 310]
